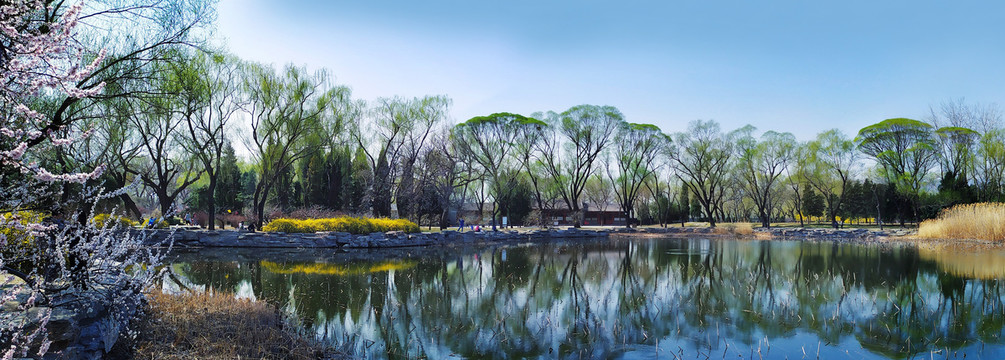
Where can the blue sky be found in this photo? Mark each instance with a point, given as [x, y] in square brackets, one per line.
[799, 66]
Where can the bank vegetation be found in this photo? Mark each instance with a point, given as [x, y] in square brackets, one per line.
[981, 221]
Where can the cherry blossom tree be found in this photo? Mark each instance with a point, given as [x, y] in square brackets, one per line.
[44, 257]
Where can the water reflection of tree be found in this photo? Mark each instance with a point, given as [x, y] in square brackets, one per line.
[601, 299]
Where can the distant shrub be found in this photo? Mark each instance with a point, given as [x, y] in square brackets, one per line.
[103, 219]
[982, 221]
[352, 225]
[232, 219]
[19, 243]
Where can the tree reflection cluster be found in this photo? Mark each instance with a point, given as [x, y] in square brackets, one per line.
[635, 298]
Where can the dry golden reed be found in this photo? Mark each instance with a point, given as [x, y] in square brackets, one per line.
[738, 229]
[218, 326]
[743, 229]
[981, 221]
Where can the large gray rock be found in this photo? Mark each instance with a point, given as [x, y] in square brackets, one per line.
[80, 326]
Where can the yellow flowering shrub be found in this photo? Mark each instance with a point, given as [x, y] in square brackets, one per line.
[101, 220]
[352, 225]
[19, 242]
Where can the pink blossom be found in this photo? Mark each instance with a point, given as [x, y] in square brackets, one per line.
[62, 142]
[14, 154]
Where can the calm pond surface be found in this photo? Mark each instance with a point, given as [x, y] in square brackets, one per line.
[629, 299]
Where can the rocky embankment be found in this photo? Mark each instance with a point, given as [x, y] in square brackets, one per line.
[856, 234]
[391, 239]
[396, 239]
[833, 234]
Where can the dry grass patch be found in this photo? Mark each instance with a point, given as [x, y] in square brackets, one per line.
[744, 229]
[219, 326]
[738, 229]
[982, 221]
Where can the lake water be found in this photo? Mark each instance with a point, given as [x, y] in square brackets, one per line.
[629, 299]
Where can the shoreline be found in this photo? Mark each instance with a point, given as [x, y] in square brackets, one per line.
[341, 240]
[195, 239]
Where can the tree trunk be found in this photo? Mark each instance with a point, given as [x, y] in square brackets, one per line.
[494, 212]
[443, 218]
[540, 212]
[382, 186]
[212, 201]
[165, 202]
[260, 199]
[575, 215]
[917, 209]
[405, 194]
[254, 207]
[710, 212]
[130, 205]
[127, 201]
[879, 211]
[685, 215]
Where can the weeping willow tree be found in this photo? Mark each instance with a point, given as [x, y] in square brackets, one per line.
[957, 145]
[635, 153]
[905, 149]
[761, 165]
[586, 130]
[700, 158]
[286, 109]
[490, 141]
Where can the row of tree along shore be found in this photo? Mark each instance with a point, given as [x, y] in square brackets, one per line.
[313, 150]
[170, 115]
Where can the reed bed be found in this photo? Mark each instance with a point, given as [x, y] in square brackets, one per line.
[981, 221]
[220, 326]
[738, 229]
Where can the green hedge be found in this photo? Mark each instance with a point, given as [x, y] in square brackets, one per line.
[352, 225]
